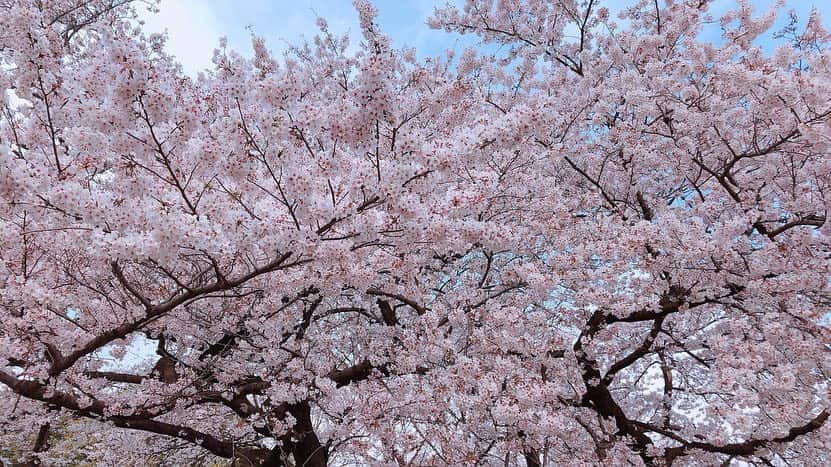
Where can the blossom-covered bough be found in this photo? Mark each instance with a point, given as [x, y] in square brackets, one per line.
[586, 243]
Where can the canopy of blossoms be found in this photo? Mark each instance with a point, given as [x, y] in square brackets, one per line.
[591, 240]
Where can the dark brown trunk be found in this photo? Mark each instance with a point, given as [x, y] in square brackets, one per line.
[41, 442]
[302, 442]
[307, 451]
[532, 457]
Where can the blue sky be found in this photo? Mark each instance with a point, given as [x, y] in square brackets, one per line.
[194, 26]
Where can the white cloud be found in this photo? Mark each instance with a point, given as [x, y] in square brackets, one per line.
[193, 31]
[194, 26]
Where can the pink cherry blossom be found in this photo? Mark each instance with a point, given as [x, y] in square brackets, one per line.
[579, 243]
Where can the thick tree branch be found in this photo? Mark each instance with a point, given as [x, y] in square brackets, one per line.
[97, 410]
[745, 448]
[61, 363]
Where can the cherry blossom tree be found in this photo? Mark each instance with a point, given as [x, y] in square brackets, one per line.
[588, 241]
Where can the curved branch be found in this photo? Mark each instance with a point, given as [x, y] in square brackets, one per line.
[96, 410]
[745, 448]
[61, 362]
